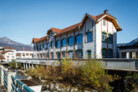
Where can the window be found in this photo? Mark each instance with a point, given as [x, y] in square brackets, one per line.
[103, 36]
[89, 36]
[52, 56]
[71, 41]
[41, 47]
[71, 54]
[110, 38]
[123, 55]
[47, 55]
[58, 43]
[58, 55]
[79, 39]
[110, 53]
[45, 46]
[64, 42]
[104, 53]
[79, 54]
[89, 53]
[104, 22]
[51, 44]
[136, 54]
[64, 54]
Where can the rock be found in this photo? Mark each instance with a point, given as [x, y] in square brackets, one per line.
[29, 78]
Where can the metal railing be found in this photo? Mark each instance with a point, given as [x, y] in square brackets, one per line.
[5, 82]
[18, 86]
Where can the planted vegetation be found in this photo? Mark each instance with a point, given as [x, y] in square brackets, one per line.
[91, 74]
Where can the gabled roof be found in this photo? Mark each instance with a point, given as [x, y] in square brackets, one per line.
[79, 25]
[35, 40]
[42, 38]
[101, 16]
[56, 30]
[3, 52]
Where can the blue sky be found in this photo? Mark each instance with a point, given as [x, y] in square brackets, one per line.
[21, 20]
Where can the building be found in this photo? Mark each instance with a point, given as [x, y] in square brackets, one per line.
[24, 54]
[94, 37]
[9, 53]
[129, 50]
[1, 58]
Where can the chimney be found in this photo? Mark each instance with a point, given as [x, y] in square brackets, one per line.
[105, 11]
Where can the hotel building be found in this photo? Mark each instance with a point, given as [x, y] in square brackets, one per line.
[94, 37]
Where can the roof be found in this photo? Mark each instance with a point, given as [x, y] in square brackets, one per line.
[42, 38]
[78, 25]
[70, 28]
[132, 43]
[1, 57]
[56, 30]
[8, 47]
[3, 52]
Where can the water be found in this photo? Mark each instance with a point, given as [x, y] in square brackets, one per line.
[20, 75]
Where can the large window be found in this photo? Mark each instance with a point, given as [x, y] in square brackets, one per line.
[89, 36]
[64, 54]
[71, 41]
[110, 53]
[58, 55]
[103, 36]
[64, 42]
[79, 54]
[58, 43]
[104, 52]
[41, 46]
[110, 38]
[71, 54]
[45, 46]
[79, 39]
[51, 44]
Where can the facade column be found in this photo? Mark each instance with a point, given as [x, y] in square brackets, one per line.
[67, 45]
[26, 66]
[74, 45]
[32, 66]
[127, 55]
[60, 47]
[107, 39]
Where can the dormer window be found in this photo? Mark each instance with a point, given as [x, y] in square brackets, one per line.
[104, 22]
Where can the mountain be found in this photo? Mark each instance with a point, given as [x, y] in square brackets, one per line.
[4, 41]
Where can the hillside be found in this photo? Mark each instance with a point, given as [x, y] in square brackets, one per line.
[4, 41]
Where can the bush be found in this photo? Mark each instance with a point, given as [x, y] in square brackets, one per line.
[12, 64]
[94, 74]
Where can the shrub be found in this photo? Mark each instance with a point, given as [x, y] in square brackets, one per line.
[94, 74]
[12, 64]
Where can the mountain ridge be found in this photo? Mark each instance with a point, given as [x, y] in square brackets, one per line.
[5, 41]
